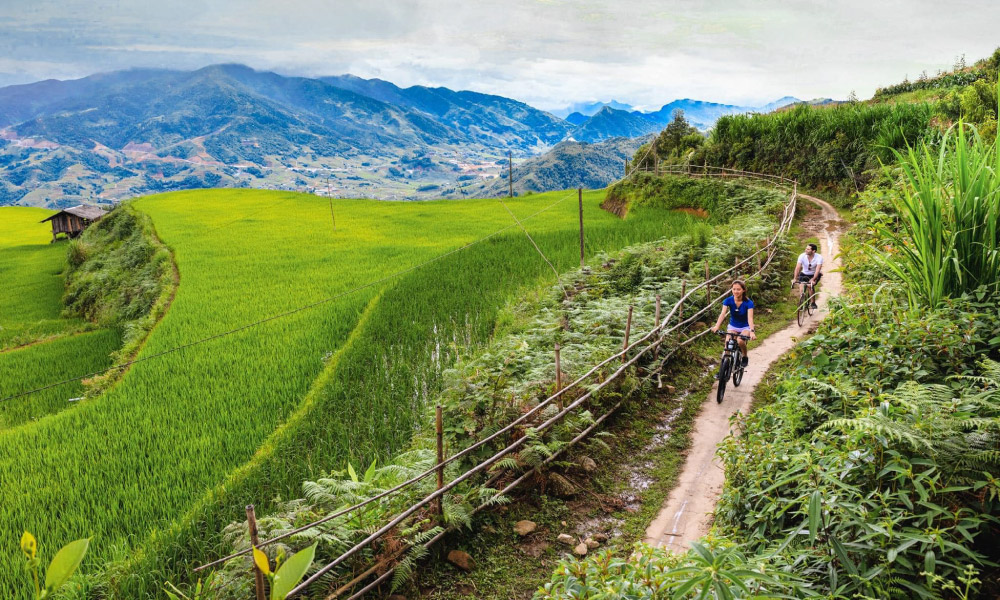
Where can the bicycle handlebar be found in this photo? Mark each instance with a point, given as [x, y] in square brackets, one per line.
[739, 335]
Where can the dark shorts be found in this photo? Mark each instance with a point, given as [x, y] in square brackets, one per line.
[805, 278]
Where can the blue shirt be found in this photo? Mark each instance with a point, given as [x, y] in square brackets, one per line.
[738, 315]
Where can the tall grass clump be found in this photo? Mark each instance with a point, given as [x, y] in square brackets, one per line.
[826, 148]
[948, 239]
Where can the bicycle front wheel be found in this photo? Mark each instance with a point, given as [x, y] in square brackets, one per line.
[801, 314]
[724, 370]
[738, 375]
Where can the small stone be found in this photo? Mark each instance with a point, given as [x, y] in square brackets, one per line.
[565, 538]
[588, 464]
[591, 543]
[560, 486]
[523, 528]
[670, 389]
[564, 524]
[462, 560]
[600, 538]
[580, 550]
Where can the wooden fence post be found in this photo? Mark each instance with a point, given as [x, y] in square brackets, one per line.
[656, 351]
[628, 328]
[258, 577]
[510, 173]
[680, 307]
[579, 194]
[559, 376]
[708, 286]
[439, 426]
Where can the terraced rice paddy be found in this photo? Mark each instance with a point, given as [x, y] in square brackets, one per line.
[37, 346]
[30, 272]
[186, 439]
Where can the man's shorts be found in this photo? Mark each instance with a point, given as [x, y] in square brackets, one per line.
[803, 278]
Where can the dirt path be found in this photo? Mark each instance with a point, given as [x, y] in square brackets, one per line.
[687, 513]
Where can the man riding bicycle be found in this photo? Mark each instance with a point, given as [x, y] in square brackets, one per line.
[740, 310]
[808, 270]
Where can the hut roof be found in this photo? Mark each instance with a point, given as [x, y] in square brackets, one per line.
[84, 211]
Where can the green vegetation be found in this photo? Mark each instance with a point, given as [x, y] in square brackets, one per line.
[872, 469]
[37, 345]
[677, 140]
[721, 200]
[585, 315]
[820, 147]
[949, 210]
[343, 380]
[42, 364]
[119, 275]
[30, 267]
[62, 567]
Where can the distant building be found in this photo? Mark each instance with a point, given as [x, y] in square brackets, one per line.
[72, 221]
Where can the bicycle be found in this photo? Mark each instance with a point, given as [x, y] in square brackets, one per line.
[732, 363]
[805, 300]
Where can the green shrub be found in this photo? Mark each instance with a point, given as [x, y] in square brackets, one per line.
[948, 242]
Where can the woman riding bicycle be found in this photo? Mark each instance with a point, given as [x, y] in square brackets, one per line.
[740, 311]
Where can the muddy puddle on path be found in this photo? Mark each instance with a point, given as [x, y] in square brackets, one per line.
[638, 475]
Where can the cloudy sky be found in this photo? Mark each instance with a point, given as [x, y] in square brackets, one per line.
[549, 53]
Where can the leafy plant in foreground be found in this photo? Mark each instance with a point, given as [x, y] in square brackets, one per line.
[62, 567]
[286, 574]
[949, 211]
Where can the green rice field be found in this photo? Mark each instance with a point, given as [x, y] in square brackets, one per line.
[164, 459]
[37, 345]
[31, 275]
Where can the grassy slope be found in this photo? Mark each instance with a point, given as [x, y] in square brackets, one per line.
[176, 426]
[30, 305]
[30, 267]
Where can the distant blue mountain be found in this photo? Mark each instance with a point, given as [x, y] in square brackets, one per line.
[589, 109]
[576, 118]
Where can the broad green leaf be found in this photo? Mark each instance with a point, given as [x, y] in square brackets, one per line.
[260, 559]
[65, 563]
[929, 562]
[815, 515]
[370, 473]
[291, 572]
[352, 472]
[841, 553]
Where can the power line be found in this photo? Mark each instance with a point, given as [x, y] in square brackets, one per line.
[286, 313]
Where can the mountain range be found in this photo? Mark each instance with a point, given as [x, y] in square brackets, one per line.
[114, 135]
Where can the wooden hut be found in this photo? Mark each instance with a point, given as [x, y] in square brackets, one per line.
[72, 221]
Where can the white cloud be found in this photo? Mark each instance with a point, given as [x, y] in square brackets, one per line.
[547, 52]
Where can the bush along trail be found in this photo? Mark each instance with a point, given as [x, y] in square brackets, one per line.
[687, 513]
[870, 464]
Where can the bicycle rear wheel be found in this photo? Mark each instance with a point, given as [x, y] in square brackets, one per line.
[724, 370]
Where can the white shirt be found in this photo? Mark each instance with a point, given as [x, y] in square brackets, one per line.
[809, 266]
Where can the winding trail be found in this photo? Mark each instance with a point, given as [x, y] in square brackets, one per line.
[688, 511]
